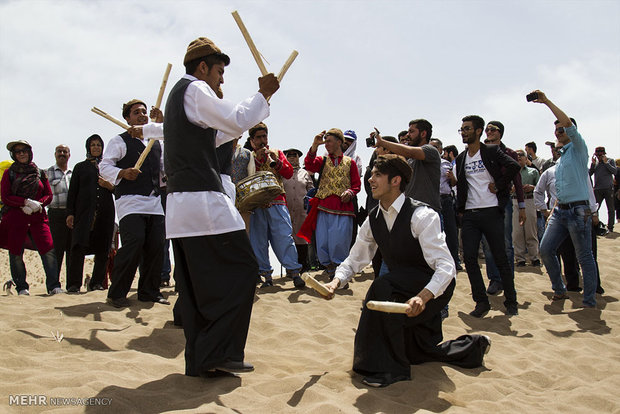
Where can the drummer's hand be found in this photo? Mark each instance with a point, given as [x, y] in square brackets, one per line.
[156, 115]
[268, 85]
[332, 286]
[319, 139]
[135, 131]
[415, 306]
[346, 196]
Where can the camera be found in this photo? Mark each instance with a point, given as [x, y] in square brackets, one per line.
[531, 96]
[370, 142]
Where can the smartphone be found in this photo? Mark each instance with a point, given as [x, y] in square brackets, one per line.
[370, 141]
[531, 96]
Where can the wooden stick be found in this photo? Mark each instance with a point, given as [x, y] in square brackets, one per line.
[160, 96]
[109, 117]
[316, 285]
[250, 42]
[162, 88]
[287, 64]
[388, 307]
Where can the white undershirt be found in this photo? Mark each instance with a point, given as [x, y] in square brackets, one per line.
[200, 213]
[425, 226]
[478, 180]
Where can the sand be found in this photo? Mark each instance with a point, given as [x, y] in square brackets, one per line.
[553, 357]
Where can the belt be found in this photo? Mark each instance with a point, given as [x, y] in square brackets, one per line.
[525, 196]
[476, 210]
[573, 204]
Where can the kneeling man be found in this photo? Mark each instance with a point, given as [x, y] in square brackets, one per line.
[409, 237]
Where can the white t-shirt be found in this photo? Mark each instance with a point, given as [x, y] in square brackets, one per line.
[478, 180]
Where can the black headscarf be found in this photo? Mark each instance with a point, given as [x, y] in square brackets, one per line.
[90, 139]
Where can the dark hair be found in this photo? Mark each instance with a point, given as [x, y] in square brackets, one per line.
[258, 127]
[394, 166]
[439, 141]
[402, 134]
[476, 120]
[571, 119]
[452, 149]
[210, 60]
[390, 139]
[532, 145]
[423, 125]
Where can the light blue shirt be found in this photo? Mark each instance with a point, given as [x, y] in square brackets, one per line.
[571, 173]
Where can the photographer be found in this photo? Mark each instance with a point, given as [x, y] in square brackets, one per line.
[603, 169]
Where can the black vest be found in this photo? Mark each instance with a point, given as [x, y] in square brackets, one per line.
[190, 159]
[399, 249]
[224, 157]
[148, 180]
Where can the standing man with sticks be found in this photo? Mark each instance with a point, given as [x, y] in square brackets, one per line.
[138, 207]
[215, 267]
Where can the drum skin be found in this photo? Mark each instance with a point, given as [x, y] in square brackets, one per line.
[257, 191]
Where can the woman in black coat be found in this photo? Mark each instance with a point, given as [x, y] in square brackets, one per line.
[90, 213]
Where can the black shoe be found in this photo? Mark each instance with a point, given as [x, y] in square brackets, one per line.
[512, 310]
[573, 288]
[298, 282]
[381, 380]
[486, 341]
[444, 313]
[162, 300]
[495, 287]
[73, 289]
[481, 309]
[267, 283]
[521, 263]
[536, 263]
[459, 268]
[97, 286]
[118, 303]
[235, 367]
[600, 290]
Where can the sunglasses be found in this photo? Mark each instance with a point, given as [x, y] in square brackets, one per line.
[491, 129]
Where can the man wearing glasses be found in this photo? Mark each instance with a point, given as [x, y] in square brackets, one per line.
[572, 215]
[484, 174]
[495, 133]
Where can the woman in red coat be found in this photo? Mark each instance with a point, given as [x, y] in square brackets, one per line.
[25, 193]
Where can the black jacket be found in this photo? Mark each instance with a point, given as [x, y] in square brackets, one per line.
[493, 159]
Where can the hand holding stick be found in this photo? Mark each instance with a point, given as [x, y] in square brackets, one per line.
[388, 307]
[109, 117]
[316, 285]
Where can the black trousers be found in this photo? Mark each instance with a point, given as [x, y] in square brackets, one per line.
[61, 235]
[141, 235]
[216, 279]
[391, 343]
[449, 224]
[490, 222]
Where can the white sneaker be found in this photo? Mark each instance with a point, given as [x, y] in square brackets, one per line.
[24, 292]
[57, 290]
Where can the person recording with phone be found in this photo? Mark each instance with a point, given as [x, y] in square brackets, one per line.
[572, 216]
[604, 169]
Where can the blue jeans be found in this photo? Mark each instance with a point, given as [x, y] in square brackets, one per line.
[576, 223]
[492, 270]
[273, 225]
[18, 270]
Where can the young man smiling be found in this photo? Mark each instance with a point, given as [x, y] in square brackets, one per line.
[409, 236]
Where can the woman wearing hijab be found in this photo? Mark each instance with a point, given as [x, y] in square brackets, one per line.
[25, 193]
[90, 213]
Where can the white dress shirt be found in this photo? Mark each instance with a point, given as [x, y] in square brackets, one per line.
[115, 150]
[425, 226]
[200, 213]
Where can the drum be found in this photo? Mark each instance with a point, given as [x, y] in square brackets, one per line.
[257, 190]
